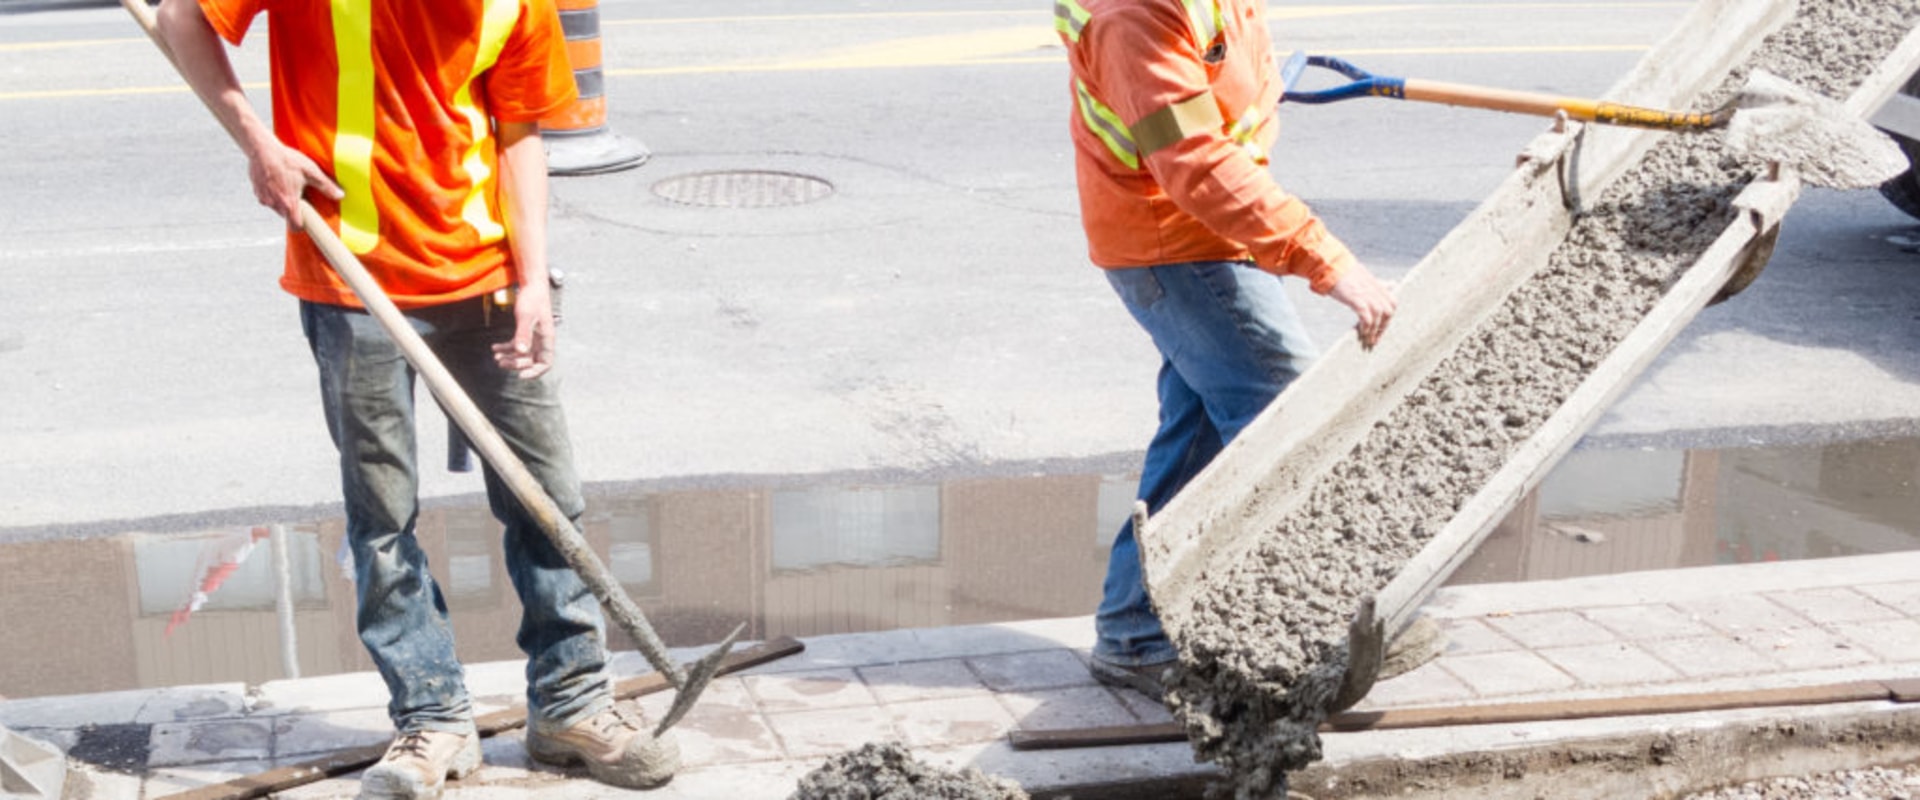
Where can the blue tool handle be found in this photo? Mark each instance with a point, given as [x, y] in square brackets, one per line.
[1364, 83]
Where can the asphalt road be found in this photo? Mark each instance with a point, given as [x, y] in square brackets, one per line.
[934, 313]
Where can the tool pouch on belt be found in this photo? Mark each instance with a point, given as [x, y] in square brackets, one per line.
[459, 450]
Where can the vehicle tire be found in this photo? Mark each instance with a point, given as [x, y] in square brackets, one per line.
[1903, 190]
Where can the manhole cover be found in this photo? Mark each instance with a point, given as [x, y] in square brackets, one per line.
[743, 189]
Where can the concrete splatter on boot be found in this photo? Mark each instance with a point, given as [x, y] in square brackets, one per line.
[418, 764]
[615, 746]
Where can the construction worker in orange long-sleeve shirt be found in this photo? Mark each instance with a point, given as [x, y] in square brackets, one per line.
[1173, 115]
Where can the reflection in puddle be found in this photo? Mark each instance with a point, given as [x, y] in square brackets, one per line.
[261, 603]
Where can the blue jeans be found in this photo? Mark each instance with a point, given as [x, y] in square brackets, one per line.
[366, 390]
[1229, 341]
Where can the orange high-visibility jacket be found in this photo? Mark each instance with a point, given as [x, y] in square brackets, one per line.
[1173, 116]
[396, 100]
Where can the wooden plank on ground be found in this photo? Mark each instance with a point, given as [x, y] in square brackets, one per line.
[1489, 714]
[342, 762]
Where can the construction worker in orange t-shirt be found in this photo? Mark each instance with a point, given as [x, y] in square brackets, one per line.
[1173, 116]
[413, 128]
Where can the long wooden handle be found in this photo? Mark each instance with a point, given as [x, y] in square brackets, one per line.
[461, 409]
[1548, 105]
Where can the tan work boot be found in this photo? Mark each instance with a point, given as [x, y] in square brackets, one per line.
[418, 764]
[614, 744]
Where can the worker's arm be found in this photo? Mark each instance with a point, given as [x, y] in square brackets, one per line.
[280, 174]
[523, 176]
[1152, 75]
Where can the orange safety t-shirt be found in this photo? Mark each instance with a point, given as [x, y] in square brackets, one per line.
[395, 100]
[1170, 135]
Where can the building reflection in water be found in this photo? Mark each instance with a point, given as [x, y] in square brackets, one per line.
[92, 615]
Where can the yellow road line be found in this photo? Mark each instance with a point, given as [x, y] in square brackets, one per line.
[1284, 13]
[1289, 12]
[58, 94]
[16, 47]
[894, 61]
[822, 66]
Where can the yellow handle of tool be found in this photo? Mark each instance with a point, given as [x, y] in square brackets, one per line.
[1548, 105]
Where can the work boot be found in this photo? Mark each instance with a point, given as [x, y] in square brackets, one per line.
[418, 764]
[1148, 679]
[1420, 642]
[615, 746]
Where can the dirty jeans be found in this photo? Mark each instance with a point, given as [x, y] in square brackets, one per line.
[1229, 341]
[367, 394]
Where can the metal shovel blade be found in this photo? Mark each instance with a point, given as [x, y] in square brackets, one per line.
[1366, 651]
[1778, 121]
[695, 680]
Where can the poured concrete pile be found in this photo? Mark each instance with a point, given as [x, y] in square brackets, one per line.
[888, 772]
[1264, 646]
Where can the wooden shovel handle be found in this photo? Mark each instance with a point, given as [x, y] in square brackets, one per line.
[1548, 105]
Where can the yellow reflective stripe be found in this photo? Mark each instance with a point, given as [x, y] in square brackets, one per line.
[496, 23]
[1246, 126]
[1194, 115]
[1245, 129]
[1205, 15]
[1106, 125]
[353, 124]
[1068, 19]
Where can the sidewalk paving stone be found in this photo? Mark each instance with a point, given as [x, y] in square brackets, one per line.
[1891, 640]
[106, 708]
[951, 721]
[723, 693]
[1466, 636]
[1746, 614]
[922, 680]
[1551, 629]
[1429, 685]
[1056, 668]
[1837, 604]
[725, 737]
[305, 734]
[1147, 710]
[1904, 597]
[1811, 648]
[210, 741]
[1617, 664]
[823, 733]
[1645, 622]
[1520, 672]
[803, 691]
[1709, 656]
[1054, 709]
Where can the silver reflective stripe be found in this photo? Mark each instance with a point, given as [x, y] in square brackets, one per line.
[1069, 19]
[1205, 15]
[1106, 124]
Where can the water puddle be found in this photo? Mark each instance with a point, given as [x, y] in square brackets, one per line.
[143, 609]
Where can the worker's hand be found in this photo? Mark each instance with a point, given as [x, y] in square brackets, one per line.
[281, 176]
[1371, 301]
[530, 352]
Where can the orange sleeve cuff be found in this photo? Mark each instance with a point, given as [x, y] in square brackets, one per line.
[1334, 260]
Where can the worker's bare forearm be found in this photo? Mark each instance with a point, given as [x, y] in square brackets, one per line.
[523, 166]
[202, 59]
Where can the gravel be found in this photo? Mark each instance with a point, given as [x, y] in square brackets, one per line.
[887, 771]
[1878, 783]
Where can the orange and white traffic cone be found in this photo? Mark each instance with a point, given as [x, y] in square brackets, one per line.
[577, 138]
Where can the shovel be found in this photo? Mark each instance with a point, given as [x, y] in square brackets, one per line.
[1770, 118]
[688, 683]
